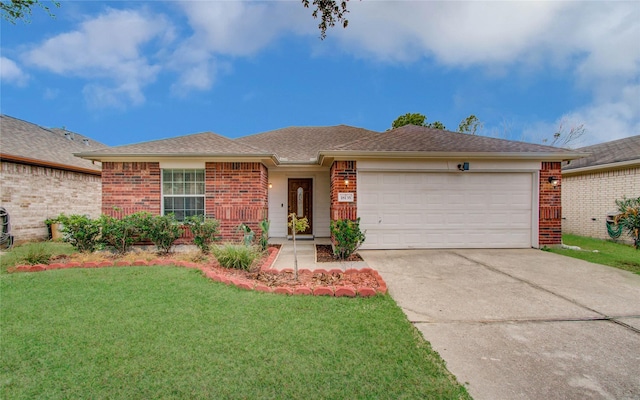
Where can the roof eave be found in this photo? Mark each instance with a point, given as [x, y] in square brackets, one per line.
[49, 164]
[147, 157]
[599, 167]
[546, 156]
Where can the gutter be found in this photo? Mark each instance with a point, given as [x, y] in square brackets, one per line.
[102, 157]
[592, 168]
[48, 164]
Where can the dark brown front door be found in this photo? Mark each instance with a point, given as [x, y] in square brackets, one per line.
[300, 201]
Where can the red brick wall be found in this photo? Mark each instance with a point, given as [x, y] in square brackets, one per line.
[235, 193]
[341, 170]
[550, 219]
[130, 187]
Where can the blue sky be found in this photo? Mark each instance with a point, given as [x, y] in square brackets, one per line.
[124, 72]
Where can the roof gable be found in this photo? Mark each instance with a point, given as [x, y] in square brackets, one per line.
[621, 150]
[22, 140]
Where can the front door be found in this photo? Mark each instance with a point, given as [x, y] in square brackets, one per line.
[301, 202]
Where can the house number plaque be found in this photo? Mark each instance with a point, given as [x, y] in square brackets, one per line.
[345, 197]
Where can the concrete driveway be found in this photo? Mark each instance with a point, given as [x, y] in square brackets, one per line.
[522, 324]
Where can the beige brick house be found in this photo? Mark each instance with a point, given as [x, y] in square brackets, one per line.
[591, 185]
[40, 177]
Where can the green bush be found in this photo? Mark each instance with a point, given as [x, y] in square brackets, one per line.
[236, 256]
[629, 218]
[205, 231]
[347, 237]
[80, 231]
[122, 233]
[162, 230]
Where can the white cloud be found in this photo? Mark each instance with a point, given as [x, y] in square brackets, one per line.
[107, 48]
[11, 73]
[223, 30]
[595, 41]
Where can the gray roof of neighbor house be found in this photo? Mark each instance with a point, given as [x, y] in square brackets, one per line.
[420, 139]
[196, 145]
[302, 143]
[616, 151]
[28, 143]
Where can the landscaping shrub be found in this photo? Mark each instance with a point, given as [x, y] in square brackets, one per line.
[264, 237]
[247, 234]
[122, 233]
[236, 256]
[80, 231]
[162, 230]
[205, 231]
[37, 254]
[629, 218]
[347, 237]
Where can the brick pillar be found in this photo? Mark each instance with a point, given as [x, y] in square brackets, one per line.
[341, 171]
[550, 219]
[236, 193]
[130, 187]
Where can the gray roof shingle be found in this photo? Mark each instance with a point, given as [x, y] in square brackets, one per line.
[302, 143]
[28, 141]
[412, 138]
[202, 144]
[620, 150]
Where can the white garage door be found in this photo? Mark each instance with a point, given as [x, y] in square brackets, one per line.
[402, 210]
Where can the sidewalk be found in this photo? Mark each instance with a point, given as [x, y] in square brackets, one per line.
[306, 251]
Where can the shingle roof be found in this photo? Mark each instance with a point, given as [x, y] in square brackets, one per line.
[30, 142]
[202, 144]
[620, 150]
[411, 138]
[301, 144]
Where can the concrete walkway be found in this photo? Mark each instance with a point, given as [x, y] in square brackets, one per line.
[522, 324]
[307, 255]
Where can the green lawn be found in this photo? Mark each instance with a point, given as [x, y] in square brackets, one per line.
[167, 332]
[608, 252]
[33, 253]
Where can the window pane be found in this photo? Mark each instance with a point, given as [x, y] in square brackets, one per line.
[178, 175]
[166, 175]
[200, 188]
[166, 187]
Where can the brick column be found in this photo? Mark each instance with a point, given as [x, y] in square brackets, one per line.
[130, 187]
[550, 218]
[341, 171]
[236, 193]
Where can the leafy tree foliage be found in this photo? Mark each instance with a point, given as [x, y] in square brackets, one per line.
[415, 119]
[331, 12]
[15, 10]
[470, 125]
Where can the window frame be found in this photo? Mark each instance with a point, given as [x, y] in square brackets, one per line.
[164, 195]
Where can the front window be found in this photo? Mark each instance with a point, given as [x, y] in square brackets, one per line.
[183, 192]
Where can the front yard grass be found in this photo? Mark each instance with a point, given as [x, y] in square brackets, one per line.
[610, 253]
[22, 254]
[167, 332]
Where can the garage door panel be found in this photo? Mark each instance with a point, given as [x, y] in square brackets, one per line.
[445, 210]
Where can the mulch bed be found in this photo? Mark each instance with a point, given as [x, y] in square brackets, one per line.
[324, 253]
[261, 274]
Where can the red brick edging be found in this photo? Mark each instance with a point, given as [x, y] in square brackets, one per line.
[242, 283]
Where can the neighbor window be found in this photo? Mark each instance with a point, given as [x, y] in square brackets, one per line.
[183, 192]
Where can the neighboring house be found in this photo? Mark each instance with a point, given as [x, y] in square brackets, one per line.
[40, 177]
[592, 185]
[412, 187]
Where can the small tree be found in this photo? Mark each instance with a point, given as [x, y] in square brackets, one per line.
[629, 218]
[296, 225]
[347, 237]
